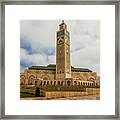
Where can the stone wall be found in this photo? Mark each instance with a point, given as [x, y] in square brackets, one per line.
[65, 94]
[93, 91]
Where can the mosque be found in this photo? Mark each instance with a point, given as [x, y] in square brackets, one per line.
[62, 73]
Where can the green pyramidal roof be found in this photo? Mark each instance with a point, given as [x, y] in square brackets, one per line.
[53, 68]
[51, 65]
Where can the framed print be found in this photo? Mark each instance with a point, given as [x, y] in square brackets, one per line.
[60, 60]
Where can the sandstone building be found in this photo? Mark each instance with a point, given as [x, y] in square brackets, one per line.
[62, 73]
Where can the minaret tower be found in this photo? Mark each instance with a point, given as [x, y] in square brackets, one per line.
[63, 66]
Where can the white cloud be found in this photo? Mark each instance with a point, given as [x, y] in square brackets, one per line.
[88, 57]
[32, 59]
[40, 34]
[52, 59]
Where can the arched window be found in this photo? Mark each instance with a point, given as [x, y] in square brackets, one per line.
[60, 71]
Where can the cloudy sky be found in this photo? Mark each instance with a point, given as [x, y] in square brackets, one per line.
[38, 43]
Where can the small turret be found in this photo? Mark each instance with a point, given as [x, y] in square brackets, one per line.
[63, 26]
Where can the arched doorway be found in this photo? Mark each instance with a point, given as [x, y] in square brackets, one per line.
[81, 83]
[44, 83]
[54, 83]
[62, 83]
[47, 82]
[31, 80]
[75, 83]
[21, 83]
[36, 82]
[68, 83]
[22, 79]
[58, 82]
[40, 82]
[51, 82]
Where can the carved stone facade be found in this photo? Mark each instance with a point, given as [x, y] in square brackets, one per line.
[62, 73]
[47, 77]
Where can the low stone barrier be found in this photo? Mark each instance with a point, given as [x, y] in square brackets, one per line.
[93, 91]
[65, 94]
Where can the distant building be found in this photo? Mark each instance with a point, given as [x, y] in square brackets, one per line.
[62, 73]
